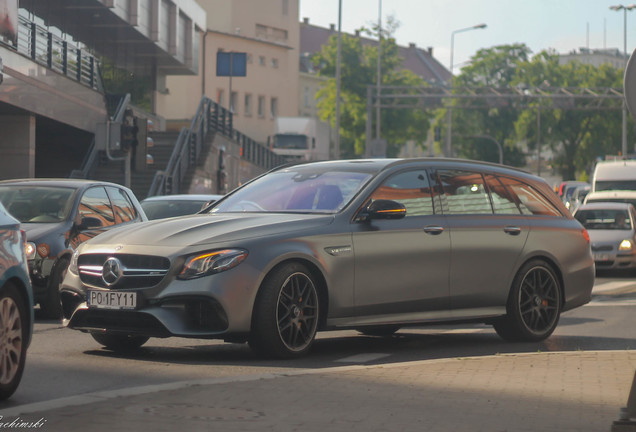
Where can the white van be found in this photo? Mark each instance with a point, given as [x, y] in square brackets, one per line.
[614, 175]
[624, 196]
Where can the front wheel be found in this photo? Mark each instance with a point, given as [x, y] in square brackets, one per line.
[120, 342]
[286, 313]
[51, 306]
[534, 305]
[14, 325]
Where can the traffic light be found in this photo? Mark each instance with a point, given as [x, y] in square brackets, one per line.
[438, 133]
[129, 132]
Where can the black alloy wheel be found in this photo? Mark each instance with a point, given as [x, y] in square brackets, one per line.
[51, 307]
[286, 313]
[534, 305]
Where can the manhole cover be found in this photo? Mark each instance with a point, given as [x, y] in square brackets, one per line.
[195, 412]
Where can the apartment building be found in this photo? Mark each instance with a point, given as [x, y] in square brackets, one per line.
[267, 32]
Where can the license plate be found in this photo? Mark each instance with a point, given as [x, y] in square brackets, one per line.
[112, 300]
[602, 257]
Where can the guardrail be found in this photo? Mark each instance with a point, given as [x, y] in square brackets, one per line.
[210, 117]
[50, 50]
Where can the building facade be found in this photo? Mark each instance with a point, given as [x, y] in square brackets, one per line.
[267, 32]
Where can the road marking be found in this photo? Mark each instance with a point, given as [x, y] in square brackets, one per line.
[362, 358]
[612, 303]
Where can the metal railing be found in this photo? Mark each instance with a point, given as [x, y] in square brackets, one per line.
[210, 117]
[50, 50]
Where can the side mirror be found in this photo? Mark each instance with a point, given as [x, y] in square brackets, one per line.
[88, 223]
[385, 209]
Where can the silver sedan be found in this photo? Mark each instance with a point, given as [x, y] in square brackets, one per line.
[373, 245]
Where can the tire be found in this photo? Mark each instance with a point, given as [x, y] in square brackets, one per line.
[286, 313]
[534, 304]
[51, 307]
[14, 325]
[120, 342]
[386, 330]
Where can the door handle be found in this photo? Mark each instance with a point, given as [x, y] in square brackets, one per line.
[433, 229]
[512, 230]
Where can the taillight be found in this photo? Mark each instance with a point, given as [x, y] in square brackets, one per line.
[586, 235]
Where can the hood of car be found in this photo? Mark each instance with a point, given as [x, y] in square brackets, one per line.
[600, 237]
[35, 231]
[210, 228]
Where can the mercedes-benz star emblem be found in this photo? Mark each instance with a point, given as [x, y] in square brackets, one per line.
[111, 271]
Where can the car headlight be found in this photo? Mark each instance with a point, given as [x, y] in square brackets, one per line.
[211, 262]
[626, 245]
[72, 267]
[30, 250]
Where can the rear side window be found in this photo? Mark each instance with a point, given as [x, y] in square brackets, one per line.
[464, 193]
[95, 204]
[412, 189]
[122, 206]
[530, 200]
[502, 201]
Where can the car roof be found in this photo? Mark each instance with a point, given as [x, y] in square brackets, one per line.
[183, 197]
[605, 205]
[612, 194]
[60, 182]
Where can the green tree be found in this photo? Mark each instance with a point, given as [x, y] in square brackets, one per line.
[576, 136]
[493, 67]
[359, 70]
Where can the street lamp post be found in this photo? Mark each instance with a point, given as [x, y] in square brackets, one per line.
[449, 112]
[338, 77]
[624, 130]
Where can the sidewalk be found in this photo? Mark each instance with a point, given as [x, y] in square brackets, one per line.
[567, 391]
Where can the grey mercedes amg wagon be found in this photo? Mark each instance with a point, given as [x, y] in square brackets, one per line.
[373, 245]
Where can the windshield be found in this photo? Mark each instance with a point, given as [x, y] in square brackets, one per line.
[171, 208]
[604, 219]
[292, 142]
[602, 185]
[37, 204]
[296, 189]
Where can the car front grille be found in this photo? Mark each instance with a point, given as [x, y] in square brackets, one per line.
[604, 248]
[138, 271]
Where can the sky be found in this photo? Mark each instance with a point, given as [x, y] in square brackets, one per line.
[563, 25]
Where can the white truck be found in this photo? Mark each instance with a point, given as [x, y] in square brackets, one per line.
[614, 175]
[301, 139]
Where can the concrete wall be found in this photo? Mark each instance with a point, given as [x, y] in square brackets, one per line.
[17, 146]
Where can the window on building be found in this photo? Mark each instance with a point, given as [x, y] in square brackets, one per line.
[219, 97]
[248, 58]
[307, 99]
[261, 60]
[275, 63]
[261, 106]
[234, 102]
[248, 104]
[273, 107]
[285, 7]
[261, 31]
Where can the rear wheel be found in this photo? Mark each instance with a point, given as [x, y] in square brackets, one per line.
[534, 305]
[51, 307]
[14, 324]
[120, 342]
[286, 313]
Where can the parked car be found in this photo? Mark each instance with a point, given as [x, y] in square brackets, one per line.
[58, 215]
[606, 196]
[16, 298]
[165, 206]
[577, 197]
[566, 189]
[612, 231]
[362, 244]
